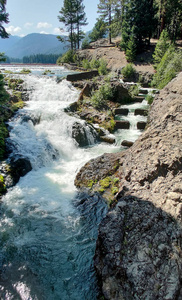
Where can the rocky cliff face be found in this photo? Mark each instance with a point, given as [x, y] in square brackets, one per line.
[138, 253]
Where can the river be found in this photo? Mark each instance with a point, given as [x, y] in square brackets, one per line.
[47, 230]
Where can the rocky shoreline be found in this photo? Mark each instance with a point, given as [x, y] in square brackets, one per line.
[138, 253]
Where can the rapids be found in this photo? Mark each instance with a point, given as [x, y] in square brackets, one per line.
[47, 231]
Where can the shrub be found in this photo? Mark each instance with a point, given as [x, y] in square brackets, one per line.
[100, 96]
[128, 71]
[95, 63]
[25, 71]
[168, 68]
[68, 57]
[85, 43]
[102, 67]
[86, 64]
[134, 90]
[149, 98]
[161, 48]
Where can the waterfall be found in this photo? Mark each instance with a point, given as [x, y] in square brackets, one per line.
[47, 239]
[47, 231]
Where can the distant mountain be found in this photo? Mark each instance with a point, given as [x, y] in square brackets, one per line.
[6, 44]
[34, 43]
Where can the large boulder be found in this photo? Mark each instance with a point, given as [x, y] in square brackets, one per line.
[84, 134]
[19, 167]
[139, 251]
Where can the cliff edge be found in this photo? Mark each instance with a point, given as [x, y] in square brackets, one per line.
[138, 253]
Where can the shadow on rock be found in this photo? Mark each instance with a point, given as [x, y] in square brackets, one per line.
[138, 252]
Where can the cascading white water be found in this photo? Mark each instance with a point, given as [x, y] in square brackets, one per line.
[133, 133]
[47, 241]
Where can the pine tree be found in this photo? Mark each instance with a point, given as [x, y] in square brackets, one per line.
[73, 16]
[139, 23]
[68, 17]
[3, 19]
[170, 17]
[81, 20]
[106, 8]
[99, 30]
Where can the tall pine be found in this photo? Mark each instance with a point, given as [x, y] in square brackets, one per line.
[81, 20]
[106, 8]
[72, 15]
[138, 24]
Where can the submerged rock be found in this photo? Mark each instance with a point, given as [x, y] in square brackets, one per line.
[127, 143]
[19, 167]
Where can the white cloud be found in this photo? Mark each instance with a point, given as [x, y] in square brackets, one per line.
[44, 25]
[44, 32]
[60, 31]
[56, 30]
[13, 30]
[28, 25]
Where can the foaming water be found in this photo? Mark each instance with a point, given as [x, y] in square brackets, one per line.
[47, 239]
[48, 231]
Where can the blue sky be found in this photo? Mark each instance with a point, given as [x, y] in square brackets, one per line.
[28, 16]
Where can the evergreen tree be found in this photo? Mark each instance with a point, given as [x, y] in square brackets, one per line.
[67, 16]
[3, 34]
[138, 24]
[170, 17]
[3, 19]
[161, 48]
[81, 20]
[99, 30]
[106, 8]
[116, 25]
[73, 16]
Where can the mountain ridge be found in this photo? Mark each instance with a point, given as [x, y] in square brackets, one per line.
[33, 43]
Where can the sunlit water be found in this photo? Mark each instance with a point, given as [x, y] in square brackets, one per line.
[47, 231]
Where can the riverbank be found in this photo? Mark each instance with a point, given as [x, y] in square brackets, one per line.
[139, 245]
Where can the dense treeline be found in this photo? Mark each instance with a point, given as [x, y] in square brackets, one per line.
[137, 21]
[41, 58]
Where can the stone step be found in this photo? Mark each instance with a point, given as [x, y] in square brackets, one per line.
[143, 91]
[141, 125]
[121, 111]
[141, 112]
[138, 99]
[122, 125]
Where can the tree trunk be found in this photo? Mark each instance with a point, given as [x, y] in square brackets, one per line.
[110, 22]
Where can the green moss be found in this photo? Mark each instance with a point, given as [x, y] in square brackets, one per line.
[2, 185]
[13, 83]
[115, 180]
[90, 183]
[105, 183]
[101, 190]
[25, 71]
[114, 190]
